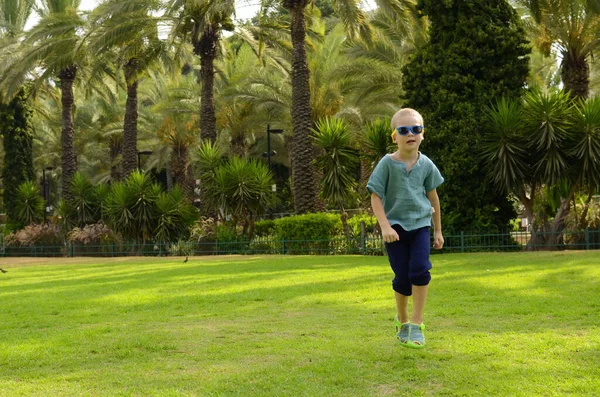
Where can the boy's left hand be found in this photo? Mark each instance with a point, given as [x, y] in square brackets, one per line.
[438, 240]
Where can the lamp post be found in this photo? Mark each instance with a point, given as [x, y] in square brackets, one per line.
[46, 186]
[270, 153]
[142, 153]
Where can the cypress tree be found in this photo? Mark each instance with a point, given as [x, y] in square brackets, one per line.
[477, 53]
[17, 131]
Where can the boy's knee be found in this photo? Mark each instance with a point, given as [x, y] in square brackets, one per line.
[419, 272]
[402, 287]
[421, 278]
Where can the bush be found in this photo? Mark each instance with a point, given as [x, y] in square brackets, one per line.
[309, 233]
[94, 239]
[43, 240]
[94, 234]
[354, 224]
[181, 248]
[264, 228]
[230, 240]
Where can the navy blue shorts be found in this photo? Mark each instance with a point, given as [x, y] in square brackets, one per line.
[409, 258]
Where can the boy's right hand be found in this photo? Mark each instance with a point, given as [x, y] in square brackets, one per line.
[389, 234]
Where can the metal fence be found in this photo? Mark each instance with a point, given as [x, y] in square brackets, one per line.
[362, 245]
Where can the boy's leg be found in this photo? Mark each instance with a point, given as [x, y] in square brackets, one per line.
[419, 272]
[398, 254]
[419, 298]
[402, 307]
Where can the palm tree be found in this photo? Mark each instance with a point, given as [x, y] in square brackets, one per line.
[238, 116]
[13, 17]
[56, 46]
[129, 27]
[242, 189]
[204, 21]
[573, 26]
[374, 143]
[177, 132]
[547, 144]
[371, 79]
[303, 172]
[339, 162]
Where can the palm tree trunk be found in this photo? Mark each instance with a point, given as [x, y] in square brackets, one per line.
[575, 74]
[206, 49]
[130, 122]
[558, 223]
[68, 157]
[365, 173]
[238, 145]
[180, 168]
[115, 147]
[169, 177]
[303, 175]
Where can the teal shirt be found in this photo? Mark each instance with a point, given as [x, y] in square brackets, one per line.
[404, 194]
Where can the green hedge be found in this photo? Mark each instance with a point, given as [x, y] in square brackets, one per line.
[309, 233]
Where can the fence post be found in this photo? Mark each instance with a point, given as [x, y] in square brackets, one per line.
[283, 246]
[462, 241]
[71, 250]
[587, 238]
[363, 243]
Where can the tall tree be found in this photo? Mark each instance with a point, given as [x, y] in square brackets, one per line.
[56, 46]
[204, 21]
[573, 26]
[15, 115]
[303, 171]
[477, 52]
[17, 134]
[129, 27]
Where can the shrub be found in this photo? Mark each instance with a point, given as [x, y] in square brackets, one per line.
[309, 233]
[354, 224]
[29, 206]
[93, 239]
[181, 248]
[34, 240]
[204, 233]
[231, 240]
[94, 234]
[264, 228]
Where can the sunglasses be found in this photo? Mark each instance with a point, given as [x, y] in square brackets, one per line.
[405, 129]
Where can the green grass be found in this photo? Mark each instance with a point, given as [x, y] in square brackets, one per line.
[520, 324]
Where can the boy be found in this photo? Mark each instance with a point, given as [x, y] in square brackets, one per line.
[404, 198]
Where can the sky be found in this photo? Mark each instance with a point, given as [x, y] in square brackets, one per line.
[244, 9]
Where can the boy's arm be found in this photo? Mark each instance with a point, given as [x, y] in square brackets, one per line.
[389, 235]
[438, 238]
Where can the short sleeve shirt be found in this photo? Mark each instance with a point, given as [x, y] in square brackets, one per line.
[404, 193]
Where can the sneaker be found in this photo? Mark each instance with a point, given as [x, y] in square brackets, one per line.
[402, 330]
[416, 336]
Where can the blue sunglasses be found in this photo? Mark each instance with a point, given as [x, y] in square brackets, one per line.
[405, 129]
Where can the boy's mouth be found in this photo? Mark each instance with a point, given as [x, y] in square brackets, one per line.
[411, 141]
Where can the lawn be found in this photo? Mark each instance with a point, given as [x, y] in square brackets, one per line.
[498, 324]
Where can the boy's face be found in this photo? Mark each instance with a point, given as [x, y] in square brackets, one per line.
[410, 141]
